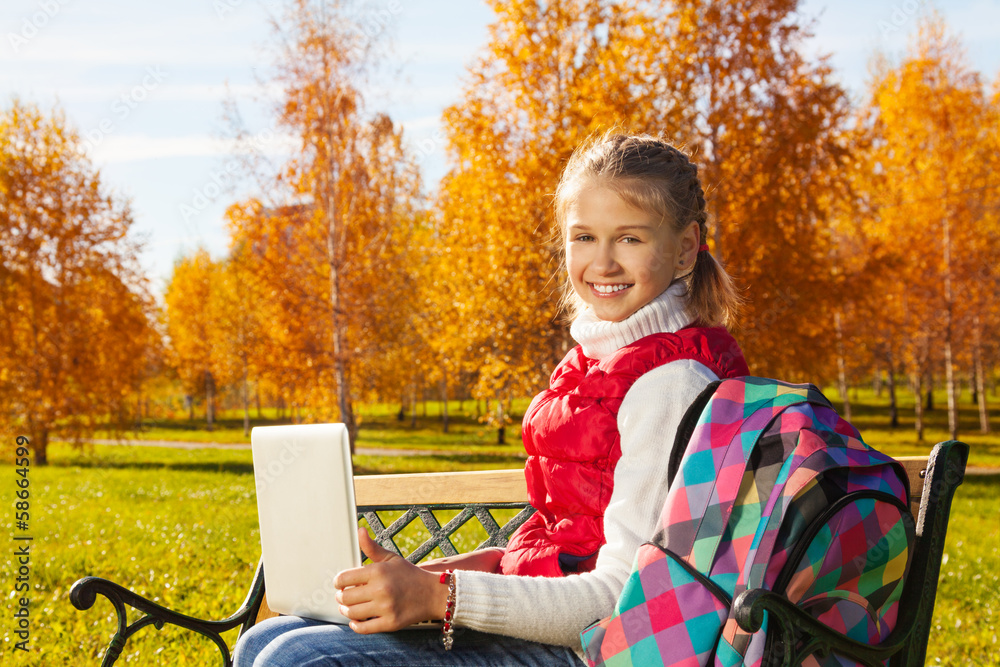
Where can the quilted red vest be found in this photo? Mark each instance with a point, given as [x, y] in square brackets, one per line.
[571, 434]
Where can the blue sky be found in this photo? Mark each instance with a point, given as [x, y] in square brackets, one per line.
[144, 84]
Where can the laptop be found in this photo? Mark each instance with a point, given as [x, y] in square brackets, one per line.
[307, 514]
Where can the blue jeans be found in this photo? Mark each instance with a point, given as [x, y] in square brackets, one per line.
[289, 641]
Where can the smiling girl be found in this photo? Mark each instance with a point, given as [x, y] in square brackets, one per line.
[649, 306]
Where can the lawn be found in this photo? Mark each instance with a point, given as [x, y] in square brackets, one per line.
[180, 526]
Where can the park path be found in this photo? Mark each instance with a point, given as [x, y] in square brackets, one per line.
[179, 444]
[363, 451]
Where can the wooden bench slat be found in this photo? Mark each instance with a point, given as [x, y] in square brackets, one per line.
[915, 467]
[441, 488]
[502, 486]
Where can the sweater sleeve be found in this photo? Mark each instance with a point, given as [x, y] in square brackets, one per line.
[556, 610]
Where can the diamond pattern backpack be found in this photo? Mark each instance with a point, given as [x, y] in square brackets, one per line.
[769, 488]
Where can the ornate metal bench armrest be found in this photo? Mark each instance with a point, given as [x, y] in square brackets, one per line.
[795, 634]
[84, 594]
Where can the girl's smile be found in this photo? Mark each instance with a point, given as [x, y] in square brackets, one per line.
[619, 257]
[609, 290]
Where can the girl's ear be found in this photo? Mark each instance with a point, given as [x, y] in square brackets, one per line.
[688, 242]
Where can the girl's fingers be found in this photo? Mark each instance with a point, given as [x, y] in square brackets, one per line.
[359, 612]
[388, 595]
[355, 595]
[372, 626]
[355, 577]
[373, 549]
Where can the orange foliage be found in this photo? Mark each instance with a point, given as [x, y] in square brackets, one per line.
[73, 307]
[931, 193]
[191, 323]
[341, 288]
[725, 79]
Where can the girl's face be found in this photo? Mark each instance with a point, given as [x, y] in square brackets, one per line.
[619, 257]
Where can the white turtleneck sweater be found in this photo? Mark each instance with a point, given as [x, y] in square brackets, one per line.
[555, 610]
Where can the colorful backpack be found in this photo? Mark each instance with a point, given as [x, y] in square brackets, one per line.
[773, 490]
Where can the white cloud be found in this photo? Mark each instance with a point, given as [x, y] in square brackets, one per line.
[132, 147]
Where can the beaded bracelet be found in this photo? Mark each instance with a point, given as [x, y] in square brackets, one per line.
[448, 577]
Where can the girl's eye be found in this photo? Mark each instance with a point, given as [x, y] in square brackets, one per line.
[584, 238]
[630, 239]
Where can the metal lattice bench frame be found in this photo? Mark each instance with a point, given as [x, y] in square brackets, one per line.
[933, 482]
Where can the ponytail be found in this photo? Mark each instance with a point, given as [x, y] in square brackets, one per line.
[713, 299]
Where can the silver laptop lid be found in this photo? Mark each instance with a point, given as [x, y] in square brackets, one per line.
[308, 520]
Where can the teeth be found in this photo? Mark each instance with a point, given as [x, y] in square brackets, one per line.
[608, 289]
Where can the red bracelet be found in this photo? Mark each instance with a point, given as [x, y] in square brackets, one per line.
[448, 577]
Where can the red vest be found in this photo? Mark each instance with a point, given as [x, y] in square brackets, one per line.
[571, 434]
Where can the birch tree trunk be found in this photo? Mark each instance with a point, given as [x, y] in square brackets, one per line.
[949, 366]
[444, 402]
[891, 382]
[984, 417]
[842, 368]
[918, 404]
[246, 402]
[209, 400]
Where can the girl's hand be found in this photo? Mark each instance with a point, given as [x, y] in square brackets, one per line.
[484, 560]
[389, 593]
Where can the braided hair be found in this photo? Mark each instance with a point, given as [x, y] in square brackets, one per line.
[660, 180]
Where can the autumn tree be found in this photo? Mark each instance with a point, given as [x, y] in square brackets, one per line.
[74, 308]
[766, 124]
[725, 79]
[192, 320]
[552, 74]
[328, 234]
[933, 179]
[238, 331]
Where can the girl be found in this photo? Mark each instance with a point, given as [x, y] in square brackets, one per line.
[648, 304]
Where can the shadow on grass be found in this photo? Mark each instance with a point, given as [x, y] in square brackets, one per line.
[221, 424]
[364, 465]
[232, 467]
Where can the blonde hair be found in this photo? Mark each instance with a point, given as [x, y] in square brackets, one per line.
[660, 180]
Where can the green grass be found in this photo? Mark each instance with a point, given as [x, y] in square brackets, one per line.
[966, 626]
[180, 526]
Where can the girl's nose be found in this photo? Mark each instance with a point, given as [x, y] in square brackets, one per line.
[604, 259]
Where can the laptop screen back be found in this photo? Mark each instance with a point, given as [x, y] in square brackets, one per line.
[308, 520]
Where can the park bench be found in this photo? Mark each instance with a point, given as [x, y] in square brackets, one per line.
[795, 635]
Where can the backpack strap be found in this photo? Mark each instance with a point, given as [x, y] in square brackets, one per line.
[686, 428]
[699, 504]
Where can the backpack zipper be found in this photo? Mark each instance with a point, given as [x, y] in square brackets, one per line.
[781, 583]
[785, 576]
